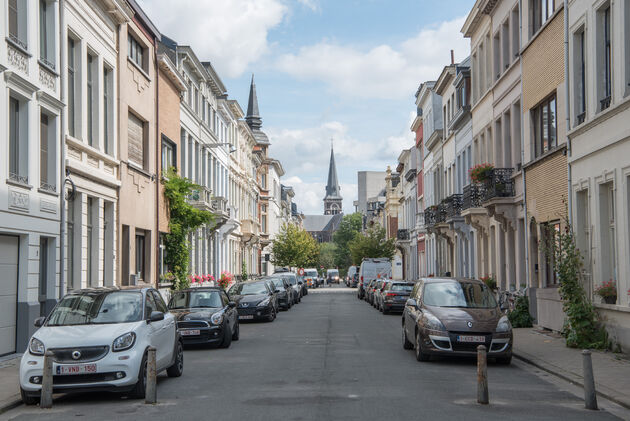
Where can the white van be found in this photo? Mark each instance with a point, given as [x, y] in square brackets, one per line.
[373, 268]
[350, 279]
[332, 276]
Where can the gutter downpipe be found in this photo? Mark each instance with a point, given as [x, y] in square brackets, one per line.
[525, 219]
[62, 176]
[568, 112]
[158, 150]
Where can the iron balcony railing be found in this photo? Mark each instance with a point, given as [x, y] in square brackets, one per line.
[441, 213]
[453, 206]
[473, 195]
[402, 234]
[499, 184]
[430, 216]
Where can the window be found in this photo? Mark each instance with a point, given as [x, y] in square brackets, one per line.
[47, 152]
[163, 269]
[135, 52]
[626, 47]
[545, 126]
[168, 154]
[579, 52]
[43, 275]
[92, 109]
[140, 249]
[18, 141]
[108, 110]
[47, 33]
[516, 41]
[149, 306]
[89, 241]
[542, 10]
[497, 54]
[70, 237]
[73, 92]
[263, 180]
[136, 136]
[607, 227]
[604, 57]
[17, 22]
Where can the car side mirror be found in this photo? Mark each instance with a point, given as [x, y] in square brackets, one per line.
[231, 304]
[300, 283]
[156, 316]
[411, 303]
[39, 322]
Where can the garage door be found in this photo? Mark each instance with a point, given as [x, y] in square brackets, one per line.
[8, 292]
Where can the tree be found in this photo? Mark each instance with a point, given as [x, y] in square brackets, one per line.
[294, 247]
[327, 255]
[244, 271]
[371, 243]
[349, 226]
[183, 219]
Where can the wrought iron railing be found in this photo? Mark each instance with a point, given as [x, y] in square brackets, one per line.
[499, 184]
[453, 205]
[402, 234]
[441, 213]
[48, 187]
[473, 195]
[605, 103]
[22, 179]
[430, 215]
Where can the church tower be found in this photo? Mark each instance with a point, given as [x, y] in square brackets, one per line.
[333, 199]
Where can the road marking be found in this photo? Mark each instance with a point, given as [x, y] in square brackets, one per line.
[331, 290]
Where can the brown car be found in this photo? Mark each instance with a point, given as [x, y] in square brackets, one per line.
[449, 316]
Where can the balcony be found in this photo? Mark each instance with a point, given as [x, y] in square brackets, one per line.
[453, 206]
[473, 196]
[499, 184]
[201, 198]
[430, 216]
[441, 213]
[249, 229]
[402, 234]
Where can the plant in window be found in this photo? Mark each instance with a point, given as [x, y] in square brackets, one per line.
[481, 172]
[490, 282]
[226, 279]
[608, 291]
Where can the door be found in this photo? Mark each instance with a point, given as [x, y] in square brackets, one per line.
[168, 329]
[8, 292]
[156, 330]
[231, 314]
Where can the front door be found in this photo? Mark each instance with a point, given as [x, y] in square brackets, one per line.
[8, 292]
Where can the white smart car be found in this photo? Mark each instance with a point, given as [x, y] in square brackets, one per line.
[99, 338]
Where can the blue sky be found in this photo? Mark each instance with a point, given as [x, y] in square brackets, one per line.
[346, 69]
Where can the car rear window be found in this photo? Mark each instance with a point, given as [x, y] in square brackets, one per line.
[402, 287]
[459, 295]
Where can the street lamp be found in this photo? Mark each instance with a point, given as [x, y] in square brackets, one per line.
[214, 145]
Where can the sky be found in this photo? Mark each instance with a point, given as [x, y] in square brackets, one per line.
[345, 70]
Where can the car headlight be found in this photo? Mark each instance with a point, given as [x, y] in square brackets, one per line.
[263, 303]
[216, 318]
[124, 342]
[433, 323]
[504, 325]
[36, 347]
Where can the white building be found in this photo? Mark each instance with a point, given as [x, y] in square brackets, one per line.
[406, 234]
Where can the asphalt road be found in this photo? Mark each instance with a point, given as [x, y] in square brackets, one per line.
[332, 357]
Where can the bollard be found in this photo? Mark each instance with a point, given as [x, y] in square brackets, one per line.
[482, 375]
[45, 399]
[151, 376]
[590, 395]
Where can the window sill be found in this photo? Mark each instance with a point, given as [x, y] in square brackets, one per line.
[139, 169]
[545, 155]
[614, 307]
[18, 184]
[140, 69]
[18, 47]
[48, 192]
[48, 67]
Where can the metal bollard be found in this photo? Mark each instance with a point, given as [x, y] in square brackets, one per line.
[590, 395]
[151, 386]
[482, 375]
[45, 399]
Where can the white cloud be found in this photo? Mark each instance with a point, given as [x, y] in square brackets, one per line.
[230, 33]
[383, 71]
[311, 4]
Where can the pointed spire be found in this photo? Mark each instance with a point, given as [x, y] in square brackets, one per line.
[332, 187]
[253, 115]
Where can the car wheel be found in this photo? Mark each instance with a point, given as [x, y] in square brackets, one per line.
[237, 332]
[507, 360]
[177, 368]
[272, 316]
[139, 390]
[227, 338]
[27, 399]
[405, 342]
[420, 356]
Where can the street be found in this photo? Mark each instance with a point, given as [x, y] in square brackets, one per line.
[331, 357]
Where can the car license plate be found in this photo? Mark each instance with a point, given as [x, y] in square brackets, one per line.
[470, 338]
[246, 316]
[68, 370]
[189, 332]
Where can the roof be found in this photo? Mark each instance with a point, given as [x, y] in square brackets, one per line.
[254, 121]
[319, 223]
[332, 187]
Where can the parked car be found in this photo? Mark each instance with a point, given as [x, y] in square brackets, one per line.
[284, 291]
[446, 316]
[352, 270]
[378, 293]
[272, 287]
[255, 300]
[332, 276]
[310, 278]
[369, 291]
[371, 269]
[99, 338]
[205, 316]
[354, 282]
[395, 295]
[295, 284]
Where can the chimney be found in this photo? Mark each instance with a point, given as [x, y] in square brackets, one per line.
[452, 57]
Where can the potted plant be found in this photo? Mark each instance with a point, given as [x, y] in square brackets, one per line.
[481, 172]
[226, 279]
[490, 282]
[608, 292]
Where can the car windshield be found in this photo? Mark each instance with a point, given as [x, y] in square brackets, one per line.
[402, 287]
[255, 288]
[333, 273]
[196, 299]
[102, 307]
[458, 294]
[311, 273]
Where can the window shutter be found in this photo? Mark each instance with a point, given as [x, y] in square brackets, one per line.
[135, 129]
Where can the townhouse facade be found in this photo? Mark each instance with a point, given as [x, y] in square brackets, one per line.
[406, 234]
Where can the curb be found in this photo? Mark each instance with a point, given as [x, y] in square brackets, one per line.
[575, 382]
[10, 404]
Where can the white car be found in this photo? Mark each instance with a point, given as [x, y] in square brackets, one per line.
[99, 338]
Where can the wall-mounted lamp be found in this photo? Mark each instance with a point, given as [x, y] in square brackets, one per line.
[232, 148]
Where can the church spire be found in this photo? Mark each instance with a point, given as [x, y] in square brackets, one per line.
[253, 115]
[333, 199]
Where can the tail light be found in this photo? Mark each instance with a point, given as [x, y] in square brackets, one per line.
[362, 279]
[391, 294]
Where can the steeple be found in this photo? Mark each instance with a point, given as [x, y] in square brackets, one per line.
[333, 199]
[253, 115]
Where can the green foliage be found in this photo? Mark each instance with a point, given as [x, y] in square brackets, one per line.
[327, 255]
[582, 328]
[371, 243]
[490, 282]
[520, 317]
[349, 226]
[294, 247]
[184, 219]
[244, 271]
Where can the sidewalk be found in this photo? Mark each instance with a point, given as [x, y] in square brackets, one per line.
[9, 382]
[547, 351]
